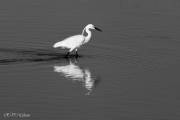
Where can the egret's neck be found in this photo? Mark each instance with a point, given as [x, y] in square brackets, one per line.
[88, 37]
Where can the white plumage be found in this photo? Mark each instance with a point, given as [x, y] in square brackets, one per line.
[74, 42]
[71, 42]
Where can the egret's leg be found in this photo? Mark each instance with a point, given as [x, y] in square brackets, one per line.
[76, 53]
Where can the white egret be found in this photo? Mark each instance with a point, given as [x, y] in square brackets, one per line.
[74, 42]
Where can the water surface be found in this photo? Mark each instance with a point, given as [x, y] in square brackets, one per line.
[129, 71]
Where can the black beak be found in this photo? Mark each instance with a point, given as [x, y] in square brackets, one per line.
[98, 29]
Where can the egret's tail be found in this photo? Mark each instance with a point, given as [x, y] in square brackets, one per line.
[55, 45]
[58, 44]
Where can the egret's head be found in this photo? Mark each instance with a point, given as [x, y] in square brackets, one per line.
[91, 26]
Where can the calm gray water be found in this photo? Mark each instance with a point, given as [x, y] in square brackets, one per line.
[130, 71]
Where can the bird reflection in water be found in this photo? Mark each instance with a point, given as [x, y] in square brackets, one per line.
[74, 72]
